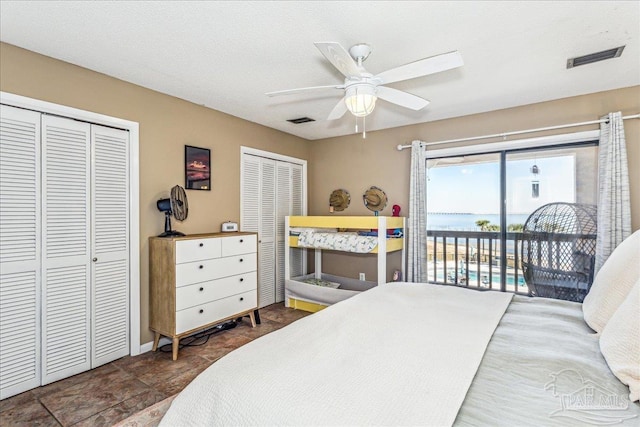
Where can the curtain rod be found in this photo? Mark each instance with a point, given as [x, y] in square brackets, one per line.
[401, 147]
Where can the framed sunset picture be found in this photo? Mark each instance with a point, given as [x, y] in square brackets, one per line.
[197, 168]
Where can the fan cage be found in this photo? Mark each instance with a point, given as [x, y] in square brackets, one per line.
[558, 250]
[179, 203]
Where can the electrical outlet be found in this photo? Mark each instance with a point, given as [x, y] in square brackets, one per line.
[361, 276]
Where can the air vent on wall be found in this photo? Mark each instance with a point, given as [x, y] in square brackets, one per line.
[301, 120]
[595, 57]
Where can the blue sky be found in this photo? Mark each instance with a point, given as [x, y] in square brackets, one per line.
[475, 188]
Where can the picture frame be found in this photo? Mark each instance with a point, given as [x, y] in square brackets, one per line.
[197, 168]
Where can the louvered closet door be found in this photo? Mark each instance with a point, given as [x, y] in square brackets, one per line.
[258, 215]
[19, 250]
[267, 234]
[283, 208]
[65, 248]
[250, 178]
[110, 245]
[296, 257]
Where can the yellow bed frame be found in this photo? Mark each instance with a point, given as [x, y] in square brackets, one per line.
[385, 245]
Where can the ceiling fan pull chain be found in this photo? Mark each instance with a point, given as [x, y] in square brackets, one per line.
[364, 127]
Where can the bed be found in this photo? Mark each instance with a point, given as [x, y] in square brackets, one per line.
[438, 355]
[312, 292]
[414, 354]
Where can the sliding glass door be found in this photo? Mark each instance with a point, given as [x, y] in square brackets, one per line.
[463, 213]
[478, 204]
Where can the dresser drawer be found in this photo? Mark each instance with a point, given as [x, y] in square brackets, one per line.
[197, 249]
[237, 245]
[194, 317]
[204, 271]
[200, 293]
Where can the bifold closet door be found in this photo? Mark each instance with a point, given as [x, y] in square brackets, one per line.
[296, 258]
[19, 250]
[288, 202]
[66, 261]
[258, 215]
[64, 245]
[110, 245]
[283, 208]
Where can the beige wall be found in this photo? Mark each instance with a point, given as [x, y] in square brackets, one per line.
[355, 164]
[167, 124]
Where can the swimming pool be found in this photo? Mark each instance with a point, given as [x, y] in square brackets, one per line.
[484, 278]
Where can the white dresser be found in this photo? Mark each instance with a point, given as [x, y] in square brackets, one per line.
[200, 280]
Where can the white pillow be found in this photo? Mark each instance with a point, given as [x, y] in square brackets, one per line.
[612, 283]
[620, 342]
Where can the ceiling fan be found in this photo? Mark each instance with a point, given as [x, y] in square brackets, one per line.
[362, 88]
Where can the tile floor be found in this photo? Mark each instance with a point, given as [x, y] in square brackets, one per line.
[113, 392]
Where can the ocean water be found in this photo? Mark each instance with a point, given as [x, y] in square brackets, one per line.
[467, 221]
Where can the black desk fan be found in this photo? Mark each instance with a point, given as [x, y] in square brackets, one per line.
[178, 206]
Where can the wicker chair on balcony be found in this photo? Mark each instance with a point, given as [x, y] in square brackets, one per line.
[558, 250]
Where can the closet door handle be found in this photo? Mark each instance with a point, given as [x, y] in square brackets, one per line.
[95, 260]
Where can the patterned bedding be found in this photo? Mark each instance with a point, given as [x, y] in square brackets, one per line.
[346, 242]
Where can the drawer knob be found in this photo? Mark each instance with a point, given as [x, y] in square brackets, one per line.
[241, 298]
[201, 244]
[241, 240]
[202, 266]
[201, 289]
[242, 279]
[201, 311]
[241, 260]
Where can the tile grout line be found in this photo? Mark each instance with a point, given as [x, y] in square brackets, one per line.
[48, 411]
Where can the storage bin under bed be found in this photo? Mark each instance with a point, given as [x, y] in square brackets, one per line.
[309, 297]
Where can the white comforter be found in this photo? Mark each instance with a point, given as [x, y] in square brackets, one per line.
[399, 354]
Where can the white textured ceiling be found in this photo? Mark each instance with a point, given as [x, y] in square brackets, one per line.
[226, 55]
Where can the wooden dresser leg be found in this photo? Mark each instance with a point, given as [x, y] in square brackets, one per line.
[253, 319]
[156, 340]
[176, 346]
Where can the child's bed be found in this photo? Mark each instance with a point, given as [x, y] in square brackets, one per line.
[343, 234]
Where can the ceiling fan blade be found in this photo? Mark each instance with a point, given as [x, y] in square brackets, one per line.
[401, 98]
[340, 58]
[338, 111]
[422, 67]
[303, 89]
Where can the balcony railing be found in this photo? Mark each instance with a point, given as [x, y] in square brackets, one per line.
[474, 259]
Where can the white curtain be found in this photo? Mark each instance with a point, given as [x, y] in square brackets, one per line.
[614, 208]
[417, 222]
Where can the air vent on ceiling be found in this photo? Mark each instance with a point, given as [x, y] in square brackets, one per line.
[301, 120]
[595, 57]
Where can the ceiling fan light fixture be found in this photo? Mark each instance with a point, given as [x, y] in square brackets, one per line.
[360, 100]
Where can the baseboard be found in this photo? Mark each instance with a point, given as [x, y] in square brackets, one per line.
[149, 345]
